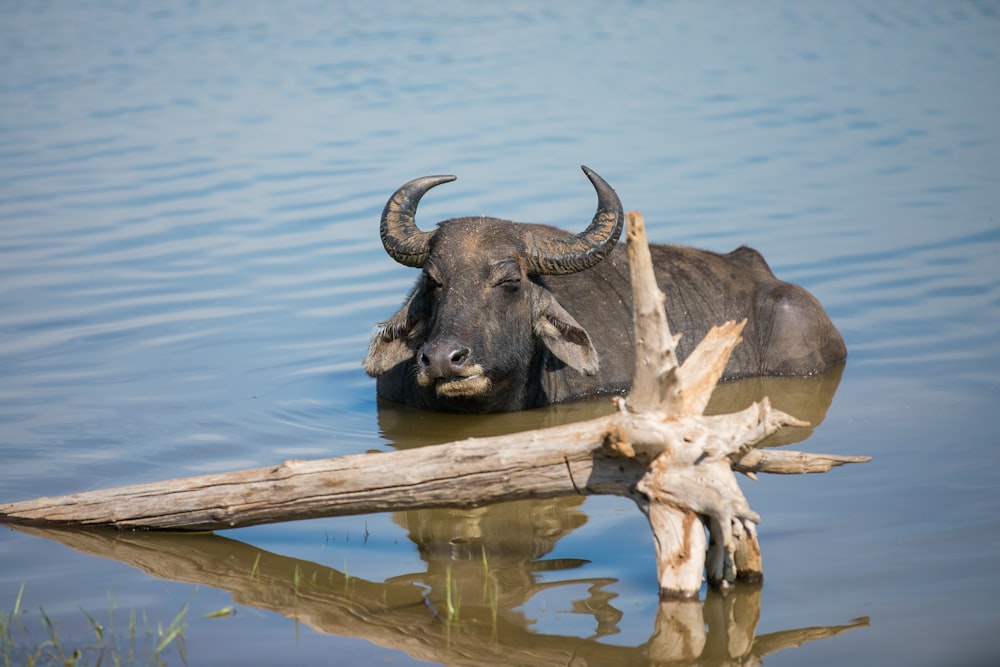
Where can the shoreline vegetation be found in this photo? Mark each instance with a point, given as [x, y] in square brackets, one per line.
[137, 643]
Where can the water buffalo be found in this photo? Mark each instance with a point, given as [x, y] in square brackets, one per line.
[507, 316]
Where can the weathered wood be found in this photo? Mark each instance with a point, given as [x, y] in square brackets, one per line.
[576, 458]
[784, 462]
[658, 449]
[658, 383]
[655, 381]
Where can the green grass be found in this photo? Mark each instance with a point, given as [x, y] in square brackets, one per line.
[453, 599]
[22, 645]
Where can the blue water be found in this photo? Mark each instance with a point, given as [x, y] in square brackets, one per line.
[190, 272]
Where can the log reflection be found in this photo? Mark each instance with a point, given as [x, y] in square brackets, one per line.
[467, 607]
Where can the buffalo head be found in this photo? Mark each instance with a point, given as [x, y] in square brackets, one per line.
[479, 325]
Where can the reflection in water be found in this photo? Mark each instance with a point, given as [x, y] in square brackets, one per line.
[190, 264]
[499, 550]
[483, 567]
[806, 398]
[456, 612]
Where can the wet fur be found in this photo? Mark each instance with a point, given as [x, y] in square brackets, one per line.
[558, 338]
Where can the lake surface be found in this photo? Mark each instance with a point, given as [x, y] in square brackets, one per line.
[190, 271]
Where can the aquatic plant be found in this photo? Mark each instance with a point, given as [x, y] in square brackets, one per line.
[19, 644]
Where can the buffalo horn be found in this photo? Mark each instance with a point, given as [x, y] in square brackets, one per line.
[554, 255]
[401, 237]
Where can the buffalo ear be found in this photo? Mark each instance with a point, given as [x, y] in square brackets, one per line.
[564, 337]
[396, 340]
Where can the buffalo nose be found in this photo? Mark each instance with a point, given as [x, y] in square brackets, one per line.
[444, 359]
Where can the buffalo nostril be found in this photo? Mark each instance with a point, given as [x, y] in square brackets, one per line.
[444, 359]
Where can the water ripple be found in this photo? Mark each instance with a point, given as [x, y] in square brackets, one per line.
[190, 266]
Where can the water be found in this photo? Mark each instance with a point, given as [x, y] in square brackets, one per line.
[190, 270]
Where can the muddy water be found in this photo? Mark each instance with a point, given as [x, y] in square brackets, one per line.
[190, 270]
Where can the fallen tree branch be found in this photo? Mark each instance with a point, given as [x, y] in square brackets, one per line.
[658, 449]
[576, 458]
[782, 462]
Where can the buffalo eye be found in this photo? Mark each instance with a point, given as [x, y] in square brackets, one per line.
[506, 274]
[510, 283]
[430, 283]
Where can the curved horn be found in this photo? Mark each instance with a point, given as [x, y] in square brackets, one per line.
[553, 255]
[401, 237]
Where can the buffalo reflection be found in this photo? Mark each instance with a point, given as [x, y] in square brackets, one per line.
[490, 561]
[482, 565]
[467, 607]
[806, 398]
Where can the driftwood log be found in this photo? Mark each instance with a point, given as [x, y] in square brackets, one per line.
[658, 449]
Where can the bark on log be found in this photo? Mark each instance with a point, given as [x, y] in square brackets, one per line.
[577, 458]
[659, 449]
